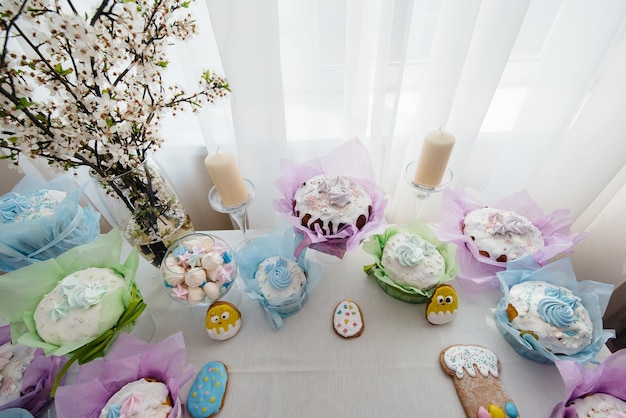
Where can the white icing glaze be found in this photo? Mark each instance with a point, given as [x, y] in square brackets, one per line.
[335, 200]
[78, 324]
[440, 317]
[294, 288]
[463, 358]
[14, 358]
[599, 405]
[526, 298]
[141, 398]
[347, 318]
[502, 232]
[425, 273]
[42, 204]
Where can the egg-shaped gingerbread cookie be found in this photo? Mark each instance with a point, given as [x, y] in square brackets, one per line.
[208, 390]
[348, 319]
[442, 305]
[223, 320]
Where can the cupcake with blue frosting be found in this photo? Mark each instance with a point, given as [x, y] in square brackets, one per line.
[279, 282]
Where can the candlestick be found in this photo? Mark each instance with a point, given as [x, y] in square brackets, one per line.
[226, 176]
[434, 156]
[420, 191]
[238, 213]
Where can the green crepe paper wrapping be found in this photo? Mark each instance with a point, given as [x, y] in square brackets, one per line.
[22, 290]
[376, 243]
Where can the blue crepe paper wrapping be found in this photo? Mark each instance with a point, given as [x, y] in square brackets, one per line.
[594, 296]
[24, 243]
[280, 241]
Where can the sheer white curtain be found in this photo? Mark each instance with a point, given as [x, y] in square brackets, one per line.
[532, 90]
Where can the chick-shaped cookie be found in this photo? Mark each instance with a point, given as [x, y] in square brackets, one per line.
[442, 305]
[223, 320]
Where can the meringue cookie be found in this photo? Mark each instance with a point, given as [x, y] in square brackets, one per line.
[174, 275]
[211, 261]
[195, 277]
[212, 290]
[195, 295]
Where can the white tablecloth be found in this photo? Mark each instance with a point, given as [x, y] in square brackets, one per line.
[391, 370]
[306, 370]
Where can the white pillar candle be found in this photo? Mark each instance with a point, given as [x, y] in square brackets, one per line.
[224, 171]
[433, 159]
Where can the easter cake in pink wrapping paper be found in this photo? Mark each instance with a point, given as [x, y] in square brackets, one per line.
[502, 235]
[330, 202]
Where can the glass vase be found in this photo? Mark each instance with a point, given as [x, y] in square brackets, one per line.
[146, 209]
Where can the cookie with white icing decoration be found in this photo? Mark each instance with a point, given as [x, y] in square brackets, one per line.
[475, 371]
[348, 319]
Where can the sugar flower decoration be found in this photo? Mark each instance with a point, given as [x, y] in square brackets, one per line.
[581, 380]
[478, 272]
[129, 359]
[280, 241]
[350, 159]
[593, 295]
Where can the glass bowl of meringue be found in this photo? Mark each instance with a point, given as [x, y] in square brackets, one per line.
[198, 269]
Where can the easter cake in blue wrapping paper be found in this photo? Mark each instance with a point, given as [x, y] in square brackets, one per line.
[41, 220]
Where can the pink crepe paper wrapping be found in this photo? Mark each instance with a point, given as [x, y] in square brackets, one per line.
[479, 272]
[38, 379]
[609, 377]
[129, 359]
[350, 159]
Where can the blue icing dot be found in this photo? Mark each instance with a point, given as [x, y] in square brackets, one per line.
[339, 312]
[511, 410]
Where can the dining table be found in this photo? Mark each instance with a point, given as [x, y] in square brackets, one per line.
[306, 369]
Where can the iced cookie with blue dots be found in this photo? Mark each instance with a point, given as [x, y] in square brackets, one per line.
[207, 393]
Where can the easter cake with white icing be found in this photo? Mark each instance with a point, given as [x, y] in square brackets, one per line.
[81, 306]
[280, 278]
[143, 398]
[330, 203]
[16, 207]
[551, 314]
[412, 261]
[14, 359]
[599, 405]
[502, 235]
